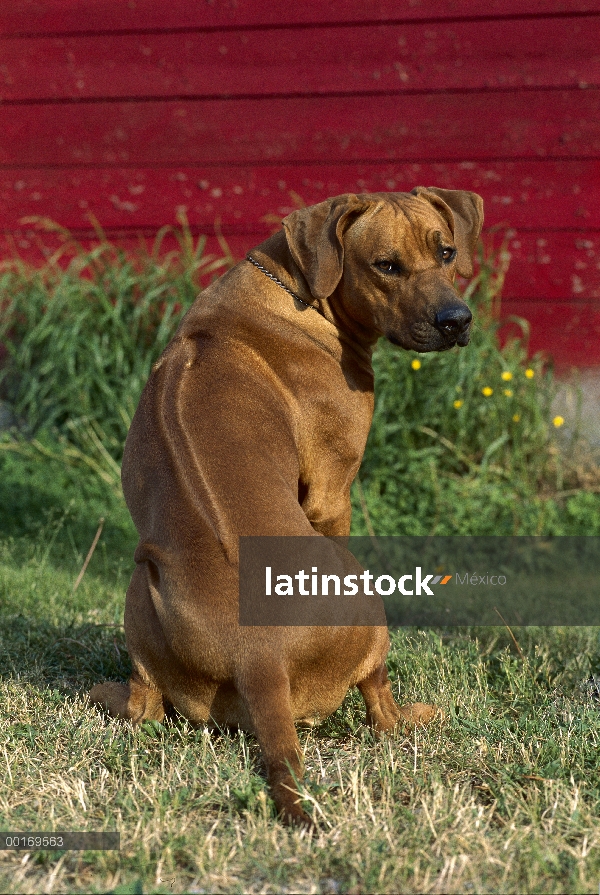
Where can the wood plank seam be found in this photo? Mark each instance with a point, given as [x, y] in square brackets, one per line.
[268, 26]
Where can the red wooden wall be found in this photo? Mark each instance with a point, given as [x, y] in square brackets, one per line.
[133, 109]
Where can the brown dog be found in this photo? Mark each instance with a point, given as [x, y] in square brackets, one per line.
[254, 422]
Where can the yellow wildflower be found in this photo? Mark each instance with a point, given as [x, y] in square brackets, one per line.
[508, 392]
[506, 376]
[416, 364]
[558, 421]
[516, 417]
[529, 373]
[487, 391]
[458, 404]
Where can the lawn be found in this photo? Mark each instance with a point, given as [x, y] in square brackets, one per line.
[502, 797]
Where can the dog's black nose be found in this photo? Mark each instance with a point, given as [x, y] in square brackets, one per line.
[453, 321]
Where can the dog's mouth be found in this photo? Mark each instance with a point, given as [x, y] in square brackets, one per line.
[424, 337]
[444, 326]
[462, 341]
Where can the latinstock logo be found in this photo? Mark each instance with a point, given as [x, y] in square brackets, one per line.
[424, 580]
[385, 585]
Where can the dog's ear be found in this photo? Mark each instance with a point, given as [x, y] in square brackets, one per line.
[463, 212]
[315, 239]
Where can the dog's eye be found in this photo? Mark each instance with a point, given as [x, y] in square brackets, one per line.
[387, 267]
[448, 254]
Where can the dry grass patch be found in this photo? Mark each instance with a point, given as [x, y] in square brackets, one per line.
[502, 798]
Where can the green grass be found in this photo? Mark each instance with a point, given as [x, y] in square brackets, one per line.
[504, 797]
[81, 340]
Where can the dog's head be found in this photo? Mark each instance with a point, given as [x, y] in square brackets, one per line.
[387, 261]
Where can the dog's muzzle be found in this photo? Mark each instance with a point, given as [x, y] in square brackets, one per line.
[454, 323]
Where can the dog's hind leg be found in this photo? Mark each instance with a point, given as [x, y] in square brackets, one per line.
[383, 714]
[135, 701]
[139, 700]
[266, 693]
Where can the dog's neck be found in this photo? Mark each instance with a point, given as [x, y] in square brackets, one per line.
[275, 256]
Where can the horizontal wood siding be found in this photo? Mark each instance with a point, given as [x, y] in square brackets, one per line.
[231, 111]
[296, 61]
[92, 16]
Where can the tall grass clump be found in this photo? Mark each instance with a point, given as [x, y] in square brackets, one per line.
[461, 441]
[80, 338]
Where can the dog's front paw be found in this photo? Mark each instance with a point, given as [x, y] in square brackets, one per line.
[419, 714]
[289, 809]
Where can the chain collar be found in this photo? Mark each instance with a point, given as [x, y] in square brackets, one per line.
[272, 276]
